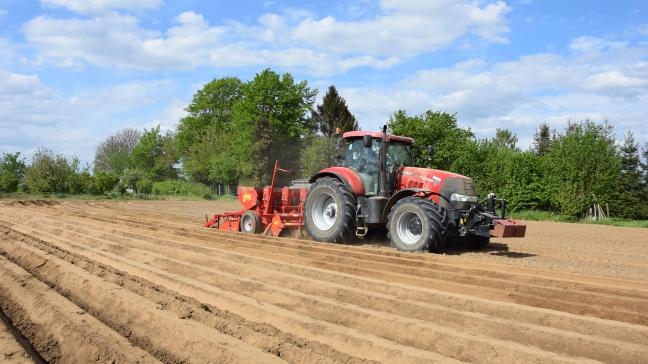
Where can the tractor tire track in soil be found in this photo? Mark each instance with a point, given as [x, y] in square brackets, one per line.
[131, 284]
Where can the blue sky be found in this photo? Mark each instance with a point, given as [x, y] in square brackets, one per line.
[73, 72]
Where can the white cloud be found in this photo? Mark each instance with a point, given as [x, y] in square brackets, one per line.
[606, 82]
[295, 39]
[116, 40]
[590, 44]
[403, 29]
[34, 115]
[643, 29]
[98, 6]
[615, 80]
[169, 117]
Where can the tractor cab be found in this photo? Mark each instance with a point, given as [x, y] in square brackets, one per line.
[363, 153]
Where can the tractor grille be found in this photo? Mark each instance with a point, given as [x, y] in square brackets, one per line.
[463, 186]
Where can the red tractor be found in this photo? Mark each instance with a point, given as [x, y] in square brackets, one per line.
[376, 185]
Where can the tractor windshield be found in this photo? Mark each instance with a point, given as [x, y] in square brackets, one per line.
[399, 155]
[365, 161]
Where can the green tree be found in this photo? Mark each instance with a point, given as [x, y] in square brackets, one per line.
[12, 171]
[435, 128]
[582, 165]
[542, 139]
[48, 173]
[131, 179]
[156, 154]
[79, 179]
[210, 109]
[103, 183]
[114, 154]
[644, 181]
[524, 188]
[333, 113]
[270, 123]
[628, 202]
[505, 138]
[319, 152]
[144, 185]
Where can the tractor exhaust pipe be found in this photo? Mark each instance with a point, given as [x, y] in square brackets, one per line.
[383, 164]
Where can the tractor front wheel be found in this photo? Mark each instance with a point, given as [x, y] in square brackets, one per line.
[417, 224]
[330, 211]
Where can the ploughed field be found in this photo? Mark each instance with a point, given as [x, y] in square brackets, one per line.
[144, 282]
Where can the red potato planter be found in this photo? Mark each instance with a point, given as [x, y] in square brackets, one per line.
[375, 185]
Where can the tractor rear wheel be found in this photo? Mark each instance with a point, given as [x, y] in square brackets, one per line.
[417, 224]
[250, 222]
[329, 211]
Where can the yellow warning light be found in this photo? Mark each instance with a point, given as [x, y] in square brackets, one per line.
[247, 197]
[276, 222]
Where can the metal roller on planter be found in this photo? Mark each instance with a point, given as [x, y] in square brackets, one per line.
[375, 185]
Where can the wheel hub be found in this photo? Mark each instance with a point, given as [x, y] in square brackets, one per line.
[409, 228]
[324, 211]
[247, 224]
[330, 210]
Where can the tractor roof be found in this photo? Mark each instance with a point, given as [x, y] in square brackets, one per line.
[376, 134]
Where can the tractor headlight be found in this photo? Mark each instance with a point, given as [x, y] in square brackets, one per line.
[457, 197]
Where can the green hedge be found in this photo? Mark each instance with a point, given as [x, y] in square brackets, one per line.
[181, 188]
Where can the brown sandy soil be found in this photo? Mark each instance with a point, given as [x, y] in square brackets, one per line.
[143, 281]
[10, 349]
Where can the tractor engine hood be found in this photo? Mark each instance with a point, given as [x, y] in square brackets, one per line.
[458, 191]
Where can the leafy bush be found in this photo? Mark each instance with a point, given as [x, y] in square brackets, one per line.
[581, 167]
[81, 182]
[103, 183]
[180, 188]
[130, 179]
[48, 173]
[144, 185]
[319, 152]
[12, 170]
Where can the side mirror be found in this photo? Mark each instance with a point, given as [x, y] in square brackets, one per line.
[367, 141]
[430, 151]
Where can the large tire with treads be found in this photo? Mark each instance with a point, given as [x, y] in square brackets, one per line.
[417, 224]
[330, 211]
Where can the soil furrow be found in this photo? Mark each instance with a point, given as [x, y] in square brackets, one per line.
[562, 342]
[374, 254]
[214, 257]
[151, 277]
[11, 350]
[619, 308]
[451, 262]
[265, 337]
[355, 342]
[133, 316]
[59, 330]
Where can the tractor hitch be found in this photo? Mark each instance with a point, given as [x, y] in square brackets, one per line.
[483, 220]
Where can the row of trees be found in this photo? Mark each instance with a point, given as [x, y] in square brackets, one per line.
[235, 130]
[50, 173]
[565, 171]
[129, 160]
